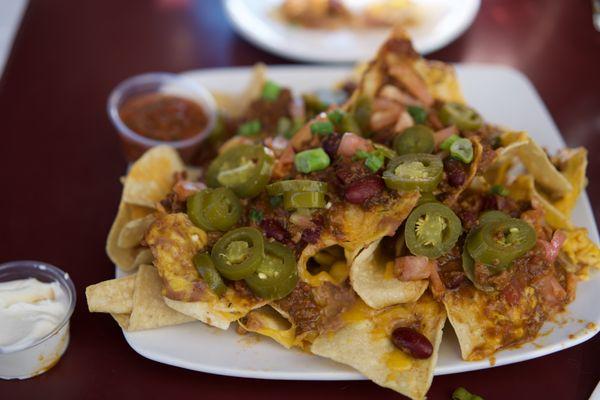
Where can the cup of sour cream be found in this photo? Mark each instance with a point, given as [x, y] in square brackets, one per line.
[36, 304]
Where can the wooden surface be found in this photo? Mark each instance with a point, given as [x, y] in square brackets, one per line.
[60, 162]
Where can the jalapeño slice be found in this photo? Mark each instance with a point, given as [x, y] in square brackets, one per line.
[245, 169]
[431, 230]
[491, 216]
[214, 209]
[238, 253]
[465, 118]
[468, 265]
[416, 139]
[499, 242]
[293, 200]
[296, 185]
[420, 172]
[277, 274]
[206, 268]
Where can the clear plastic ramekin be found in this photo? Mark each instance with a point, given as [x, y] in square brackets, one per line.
[42, 355]
[134, 144]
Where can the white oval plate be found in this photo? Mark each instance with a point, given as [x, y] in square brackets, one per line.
[507, 99]
[444, 21]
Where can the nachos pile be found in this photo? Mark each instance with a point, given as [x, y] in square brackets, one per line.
[353, 225]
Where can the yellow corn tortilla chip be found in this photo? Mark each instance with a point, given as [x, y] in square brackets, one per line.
[574, 163]
[580, 249]
[174, 240]
[125, 258]
[234, 105]
[149, 309]
[372, 282]
[482, 330]
[144, 256]
[355, 227]
[134, 301]
[523, 188]
[122, 320]
[269, 322]
[453, 195]
[218, 313]
[441, 80]
[151, 177]
[114, 296]
[364, 344]
[318, 279]
[536, 161]
[133, 232]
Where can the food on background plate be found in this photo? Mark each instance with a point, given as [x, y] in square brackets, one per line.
[353, 231]
[335, 14]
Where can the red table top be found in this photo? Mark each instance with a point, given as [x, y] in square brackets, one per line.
[60, 162]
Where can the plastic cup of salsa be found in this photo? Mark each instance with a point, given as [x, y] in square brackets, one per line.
[161, 109]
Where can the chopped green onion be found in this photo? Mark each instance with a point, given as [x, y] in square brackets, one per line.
[297, 123]
[250, 128]
[418, 114]
[373, 160]
[256, 215]
[311, 160]
[445, 145]
[463, 394]
[284, 124]
[336, 116]
[271, 91]
[385, 151]
[321, 128]
[500, 190]
[462, 149]
[275, 201]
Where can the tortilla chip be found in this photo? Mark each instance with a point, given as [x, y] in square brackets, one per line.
[536, 161]
[523, 188]
[114, 296]
[151, 177]
[574, 163]
[122, 320]
[354, 226]
[580, 249]
[144, 256]
[441, 80]
[174, 240]
[234, 105]
[335, 277]
[453, 195]
[149, 309]
[375, 286]
[364, 344]
[133, 232]
[134, 301]
[269, 322]
[218, 313]
[125, 258]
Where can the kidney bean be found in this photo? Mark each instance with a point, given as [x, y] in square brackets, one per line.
[412, 342]
[273, 229]
[455, 172]
[331, 144]
[360, 191]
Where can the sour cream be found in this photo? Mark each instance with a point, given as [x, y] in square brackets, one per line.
[29, 311]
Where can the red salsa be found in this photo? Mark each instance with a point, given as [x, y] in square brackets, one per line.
[163, 117]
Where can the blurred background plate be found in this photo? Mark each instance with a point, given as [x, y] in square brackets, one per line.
[256, 20]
